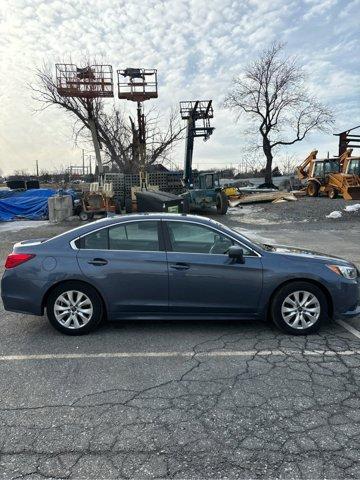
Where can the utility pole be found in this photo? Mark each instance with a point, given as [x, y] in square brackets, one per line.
[95, 138]
[37, 168]
[83, 161]
[90, 165]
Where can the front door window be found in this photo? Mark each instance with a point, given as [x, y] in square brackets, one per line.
[191, 238]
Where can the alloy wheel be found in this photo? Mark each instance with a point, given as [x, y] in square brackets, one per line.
[73, 309]
[300, 309]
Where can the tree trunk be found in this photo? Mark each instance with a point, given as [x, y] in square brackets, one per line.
[269, 159]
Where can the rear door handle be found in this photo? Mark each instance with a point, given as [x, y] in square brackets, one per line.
[180, 266]
[98, 262]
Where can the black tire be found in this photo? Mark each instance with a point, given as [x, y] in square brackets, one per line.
[186, 205]
[332, 193]
[92, 296]
[222, 203]
[284, 293]
[128, 205]
[313, 189]
[84, 216]
[117, 207]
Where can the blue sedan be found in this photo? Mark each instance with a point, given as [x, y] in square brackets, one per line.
[174, 267]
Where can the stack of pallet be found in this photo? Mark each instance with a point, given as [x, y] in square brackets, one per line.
[164, 181]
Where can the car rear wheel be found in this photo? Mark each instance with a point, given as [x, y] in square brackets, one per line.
[74, 308]
[299, 308]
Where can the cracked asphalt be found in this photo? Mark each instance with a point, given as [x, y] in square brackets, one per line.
[184, 400]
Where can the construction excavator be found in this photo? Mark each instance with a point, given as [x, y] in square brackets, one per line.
[350, 165]
[332, 176]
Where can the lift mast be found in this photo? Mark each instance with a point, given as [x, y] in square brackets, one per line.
[192, 112]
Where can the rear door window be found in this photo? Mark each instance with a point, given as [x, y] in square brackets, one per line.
[140, 236]
[96, 240]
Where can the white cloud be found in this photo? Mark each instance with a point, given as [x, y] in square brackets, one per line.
[318, 7]
[197, 46]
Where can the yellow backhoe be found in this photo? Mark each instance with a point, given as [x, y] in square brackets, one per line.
[349, 164]
[329, 176]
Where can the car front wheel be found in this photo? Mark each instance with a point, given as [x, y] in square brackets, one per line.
[299, 308]
[74, 308]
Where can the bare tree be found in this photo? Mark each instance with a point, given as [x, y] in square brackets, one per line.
[271, 91]
[117, 135]
[288, 164]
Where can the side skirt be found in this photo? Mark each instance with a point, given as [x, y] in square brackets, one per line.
[152, 316]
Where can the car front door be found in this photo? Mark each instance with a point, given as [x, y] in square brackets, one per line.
[127, 264]
[203, 280]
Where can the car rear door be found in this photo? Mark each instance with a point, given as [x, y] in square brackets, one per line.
[127, 264]
[203, 280]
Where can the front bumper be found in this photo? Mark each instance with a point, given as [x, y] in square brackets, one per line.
[351, 313]
[346, 298]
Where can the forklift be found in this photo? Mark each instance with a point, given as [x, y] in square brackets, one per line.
[204, 190]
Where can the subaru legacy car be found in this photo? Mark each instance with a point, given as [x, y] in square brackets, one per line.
[151, 266]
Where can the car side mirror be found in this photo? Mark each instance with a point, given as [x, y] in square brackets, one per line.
[236, 253]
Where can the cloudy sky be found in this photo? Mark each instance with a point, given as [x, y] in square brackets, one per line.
[196, 45]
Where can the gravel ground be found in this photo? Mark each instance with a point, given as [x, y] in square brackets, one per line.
[185, 400]
[304, 210]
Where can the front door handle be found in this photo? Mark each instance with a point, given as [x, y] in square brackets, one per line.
[98, 262]
[180, 266]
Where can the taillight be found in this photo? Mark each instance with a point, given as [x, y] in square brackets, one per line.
[15, 259]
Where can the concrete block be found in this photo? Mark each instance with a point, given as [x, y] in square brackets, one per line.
[60, 208]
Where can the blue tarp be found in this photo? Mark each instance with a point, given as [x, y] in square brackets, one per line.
[9, 193]
[31, 204]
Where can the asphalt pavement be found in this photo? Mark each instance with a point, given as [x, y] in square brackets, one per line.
[184, 400]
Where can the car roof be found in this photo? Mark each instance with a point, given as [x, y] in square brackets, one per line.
[152, 216]
[117, 219]
[149, 216]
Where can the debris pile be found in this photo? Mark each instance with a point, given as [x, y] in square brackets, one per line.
[348, 208]
[274, 197]
[352, 208]
[334, 214]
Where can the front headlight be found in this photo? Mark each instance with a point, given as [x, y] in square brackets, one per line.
[350, 273]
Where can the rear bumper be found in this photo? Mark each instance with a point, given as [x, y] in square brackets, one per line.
[21, 294]
[21, 305]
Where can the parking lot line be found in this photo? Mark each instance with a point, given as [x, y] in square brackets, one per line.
[349, 328]
[185, 354]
